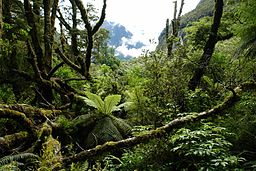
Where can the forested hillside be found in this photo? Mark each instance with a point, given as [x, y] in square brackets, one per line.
[68, 103]
[203, 9]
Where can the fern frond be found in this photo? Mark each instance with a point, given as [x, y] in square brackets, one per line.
[8, 159]
[110, 103]
[94, 100]
[126, 106]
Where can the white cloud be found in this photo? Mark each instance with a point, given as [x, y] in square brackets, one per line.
[128, 52]
[144, 18]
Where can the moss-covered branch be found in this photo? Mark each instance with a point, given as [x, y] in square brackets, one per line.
[9, 141]
[229, 101]
[20, 118]
[32, 112]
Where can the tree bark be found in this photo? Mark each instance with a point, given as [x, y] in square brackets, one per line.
[209, 47]
[74, 43]
[1, 18]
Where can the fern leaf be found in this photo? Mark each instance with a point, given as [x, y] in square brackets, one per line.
[126, 105]
[8, 159]
[110, 103]
[94, 100]
[89, 102]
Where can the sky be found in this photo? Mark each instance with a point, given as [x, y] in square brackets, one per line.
[144, 18]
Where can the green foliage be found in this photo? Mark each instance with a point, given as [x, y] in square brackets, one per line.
[107, 80]
[11, 158]
[64, 122]
[6, 95]
[244, 12]
[51, 157]
[241, 121]
[205, 148]
[198, 33]
[13, 166]
[150, 156]
[198, 101]
[79, 166]
[105, 107]
[139, 104]
[202, 148]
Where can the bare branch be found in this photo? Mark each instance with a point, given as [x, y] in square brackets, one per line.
[67, 61]
[84, 14]
[175, 10]
[63, 21]
[34, 63]
[33, 32]
[50, 74]
[102, 17]
[54, 13]
[181, 8]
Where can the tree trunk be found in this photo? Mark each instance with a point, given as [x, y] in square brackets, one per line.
[209, 47]
[1, 18]
[74, 43]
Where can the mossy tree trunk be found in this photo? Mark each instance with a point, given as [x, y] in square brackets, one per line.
[208, 48]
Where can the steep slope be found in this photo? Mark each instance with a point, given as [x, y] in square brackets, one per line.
[204, 8]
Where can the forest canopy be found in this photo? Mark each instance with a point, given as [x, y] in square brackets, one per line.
[67, 102]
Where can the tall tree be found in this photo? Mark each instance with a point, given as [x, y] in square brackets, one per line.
[84, 62]
[41, 53]
[209, 47]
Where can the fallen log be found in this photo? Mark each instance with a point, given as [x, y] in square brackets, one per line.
[228, 102]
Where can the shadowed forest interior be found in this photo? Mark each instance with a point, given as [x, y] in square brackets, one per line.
[70, 102]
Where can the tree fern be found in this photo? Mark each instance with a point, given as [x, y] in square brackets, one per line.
[106, 127]
[103, 131]
[86, 120]
[123, 127]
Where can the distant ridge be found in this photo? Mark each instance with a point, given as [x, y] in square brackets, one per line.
[121, 37]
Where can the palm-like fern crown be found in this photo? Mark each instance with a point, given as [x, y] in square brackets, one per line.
[105, 107]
